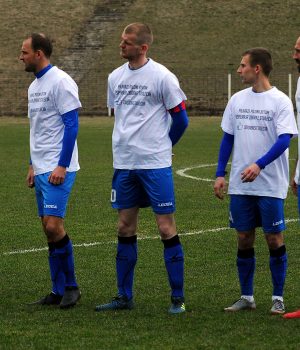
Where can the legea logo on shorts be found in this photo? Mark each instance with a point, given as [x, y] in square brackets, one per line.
[50, 206]
[167, 204]
[277, 223]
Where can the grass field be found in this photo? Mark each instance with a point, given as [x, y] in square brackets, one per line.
[210, 250]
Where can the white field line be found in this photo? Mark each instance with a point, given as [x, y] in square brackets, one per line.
[91, 244]
[182, 172]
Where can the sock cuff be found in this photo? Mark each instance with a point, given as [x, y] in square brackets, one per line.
[127, 240]
[275, 253]
[63, 242]
[245, 253]
[172, 242]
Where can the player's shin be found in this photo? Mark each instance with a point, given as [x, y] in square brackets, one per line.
[174, 261]
[246, 268]
[126, 259]
[64, 249]
[56, 272]
[278, 267]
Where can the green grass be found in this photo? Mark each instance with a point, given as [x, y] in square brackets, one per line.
[210, 273]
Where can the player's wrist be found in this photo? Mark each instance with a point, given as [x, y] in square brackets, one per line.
[221, 173]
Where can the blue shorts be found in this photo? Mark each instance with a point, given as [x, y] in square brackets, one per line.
[144, 188]
[53, 199]
[249, 212]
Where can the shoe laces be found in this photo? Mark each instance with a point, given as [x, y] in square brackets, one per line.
[278, 304]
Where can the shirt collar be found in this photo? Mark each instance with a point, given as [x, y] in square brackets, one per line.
[43, 71]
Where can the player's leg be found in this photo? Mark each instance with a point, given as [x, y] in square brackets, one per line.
[125, 198]
[126, 251]
[174, 260]
[61, 258]
[243, 217]
[57, 275]
[158, 183]
[272, 212]
[56, 271]
[65, 255]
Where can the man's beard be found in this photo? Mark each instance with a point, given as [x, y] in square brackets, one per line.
[30, 68]
[298, 65]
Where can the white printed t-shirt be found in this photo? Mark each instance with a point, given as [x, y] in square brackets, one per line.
[141, 99]
[50, 96]
[256, 120]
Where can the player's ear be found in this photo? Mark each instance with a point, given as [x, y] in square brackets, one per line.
[144, 48]
[257, 69]
[39, 53]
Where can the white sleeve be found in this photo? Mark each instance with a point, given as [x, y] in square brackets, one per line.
[286, 123]
[110, 94]
[227, 125]
[66, 95]
[172, 94]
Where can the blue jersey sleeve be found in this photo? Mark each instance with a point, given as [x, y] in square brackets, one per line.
[70, 120]
[275, 151]
[180, 122]
[224, 154]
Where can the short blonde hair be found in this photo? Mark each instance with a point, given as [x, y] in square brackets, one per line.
[142, 31]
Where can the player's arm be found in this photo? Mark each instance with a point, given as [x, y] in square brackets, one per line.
[30, 175]
[293, 184]
[252, 171]
[224, 155]
[180, 122]
[70, 120]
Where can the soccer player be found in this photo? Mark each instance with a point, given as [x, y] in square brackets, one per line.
[53, 113]
[258, 123]
[296, 178]
[150, 118]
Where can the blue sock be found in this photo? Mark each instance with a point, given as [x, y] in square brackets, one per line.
[174, 261]
[125, 263]
[56, 272]
[278, 267]
[64, 250]
[246, 268]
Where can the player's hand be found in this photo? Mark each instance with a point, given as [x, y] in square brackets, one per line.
[58, 175]
[220, 187]
[30, 177]
[250, 173]
[294, 187]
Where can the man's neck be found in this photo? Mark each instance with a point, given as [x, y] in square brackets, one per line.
[41, 66]
[140, 62]
[262, 85]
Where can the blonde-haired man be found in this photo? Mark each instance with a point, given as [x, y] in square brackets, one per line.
[150, 118]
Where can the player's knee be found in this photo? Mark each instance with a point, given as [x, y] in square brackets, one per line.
[52, 228]
[126, 229]
[245, 241]
[166, 231]
[274, 241]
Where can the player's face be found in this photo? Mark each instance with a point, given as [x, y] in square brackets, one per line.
[296, 54]
[246, 72]
[28, 56]
[129, 49]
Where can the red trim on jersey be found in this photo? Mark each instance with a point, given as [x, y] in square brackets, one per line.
[180, 107]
